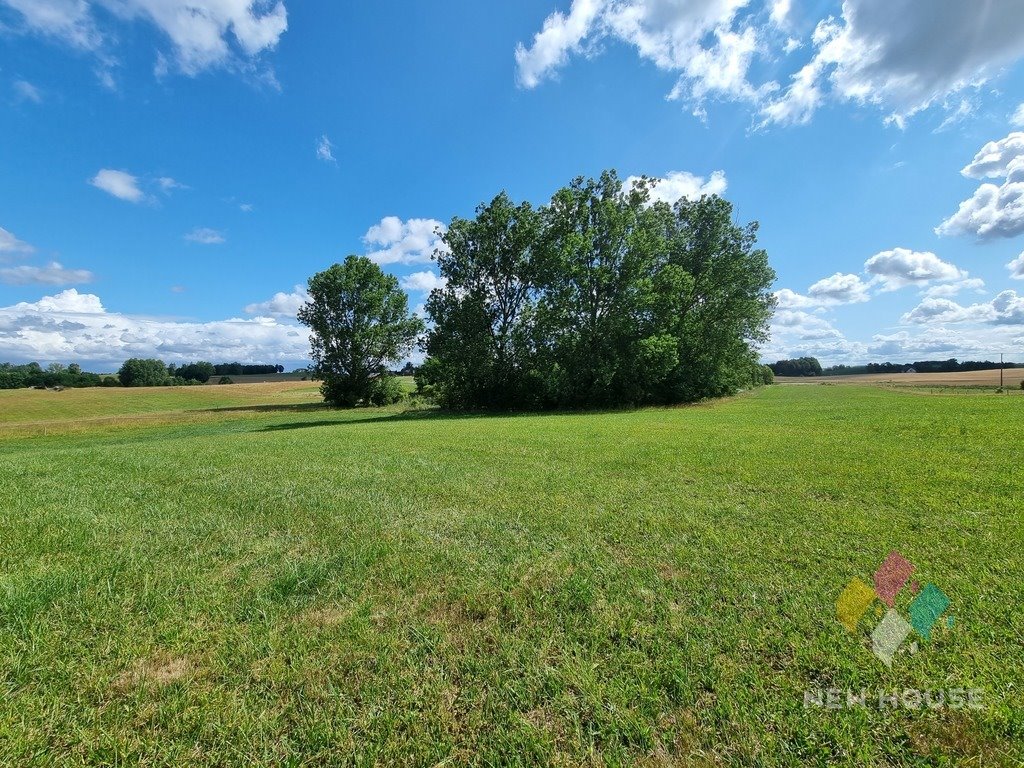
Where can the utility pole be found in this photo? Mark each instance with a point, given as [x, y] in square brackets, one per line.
[1001, 371]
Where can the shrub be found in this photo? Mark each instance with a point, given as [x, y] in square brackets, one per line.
[1022, 384]
[385, 390]
[225, 380]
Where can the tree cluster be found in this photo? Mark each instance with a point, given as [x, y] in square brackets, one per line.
[601, 298]
[54, 375]
[801, 366]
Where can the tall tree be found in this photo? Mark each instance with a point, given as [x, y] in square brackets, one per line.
[360, 322]
[480, 345]
[137, 372]
[724, 311]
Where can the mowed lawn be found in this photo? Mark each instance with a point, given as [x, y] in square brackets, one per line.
[292, 585]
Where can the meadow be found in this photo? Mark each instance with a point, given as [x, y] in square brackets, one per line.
[239, 576]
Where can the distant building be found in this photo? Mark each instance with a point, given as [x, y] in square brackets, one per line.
[911, 369]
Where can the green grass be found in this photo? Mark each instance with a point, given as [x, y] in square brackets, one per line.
[301, 586]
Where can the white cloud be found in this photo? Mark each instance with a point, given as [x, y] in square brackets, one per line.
[325, 150]
[168, 185]
[903, 55]
[561, 35]
[780, 12]
[679, 184]
[839, 289]
[1016, 268]
[206, 236]
[424, 281]
[280, 304]
[975, 284]
[992, 211]
[899, 55]
[202, 33]
[706, 43]
[790, 299]
[246, 207]
[53, 274]
[1017, 118]
[120, 184]
[76, 326]
[995, 159]
[404, 242]
[936, 342]
[25, 91]
[10, 244]
[1007, 308]
[932, 310]
[901, 267]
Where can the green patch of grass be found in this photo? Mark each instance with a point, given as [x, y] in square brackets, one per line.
[298, 585]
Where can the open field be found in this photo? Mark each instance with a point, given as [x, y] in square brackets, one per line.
[1012, 378]
[273, 582]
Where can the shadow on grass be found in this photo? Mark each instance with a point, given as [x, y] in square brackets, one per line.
[291, 408]
[437, 414]
[378, 418]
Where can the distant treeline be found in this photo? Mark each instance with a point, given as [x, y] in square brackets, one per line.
[54, 375]
[809, 366]
[135, 372]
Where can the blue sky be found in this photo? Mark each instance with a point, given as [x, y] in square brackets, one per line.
[187, 171]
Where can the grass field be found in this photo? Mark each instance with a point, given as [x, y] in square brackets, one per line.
[237, 576]
[1012, 378]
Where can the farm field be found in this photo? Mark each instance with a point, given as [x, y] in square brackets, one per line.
[1012, 378]
[238, 576]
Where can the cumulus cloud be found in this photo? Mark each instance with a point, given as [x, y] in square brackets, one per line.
[995, 158]
[903, 55]
[975, 284]
[710, 45]
[120, 184]
[1016, 268]
[325, 150]
[900, 267]
[1007, 308]
[394, 241]
[994, 210]
[71, 325]
[425, 281]
[280, 304]
[53, 274]
[9, 244]
[680, 184]
[839, 289]
[202, 33]
[206, 236]
[561, 35]
[1017, 118]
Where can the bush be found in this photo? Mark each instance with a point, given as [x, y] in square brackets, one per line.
[225, 380]
[1022, 384]
[767, 375]
[385, 390]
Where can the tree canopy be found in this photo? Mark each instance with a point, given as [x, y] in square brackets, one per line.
[601, 298]
[360, 322]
